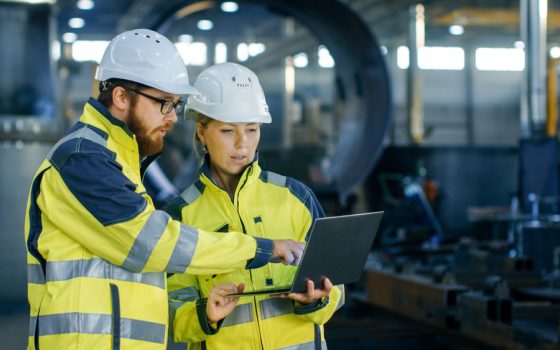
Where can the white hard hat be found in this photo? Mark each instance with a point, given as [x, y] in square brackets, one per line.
[148, 58]
[231, 93]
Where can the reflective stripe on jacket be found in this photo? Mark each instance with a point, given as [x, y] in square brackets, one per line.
[268, 205]
[98, 249]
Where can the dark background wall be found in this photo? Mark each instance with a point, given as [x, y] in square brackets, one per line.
[465, 177]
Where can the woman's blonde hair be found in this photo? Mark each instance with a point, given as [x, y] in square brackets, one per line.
[198, 147]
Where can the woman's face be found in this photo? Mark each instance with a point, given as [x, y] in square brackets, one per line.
[231, 146]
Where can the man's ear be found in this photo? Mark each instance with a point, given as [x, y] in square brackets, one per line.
[121, 99]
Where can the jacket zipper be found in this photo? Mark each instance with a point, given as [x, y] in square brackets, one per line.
[236, 206]
[250, 271]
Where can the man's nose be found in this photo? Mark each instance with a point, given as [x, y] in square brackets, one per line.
[172, 116]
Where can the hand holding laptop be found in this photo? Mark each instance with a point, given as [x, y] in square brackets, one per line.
[337, 248]
[310, 296]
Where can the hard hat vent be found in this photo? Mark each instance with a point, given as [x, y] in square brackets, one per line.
[147, 36]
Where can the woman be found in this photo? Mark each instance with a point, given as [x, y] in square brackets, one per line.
[233, 193]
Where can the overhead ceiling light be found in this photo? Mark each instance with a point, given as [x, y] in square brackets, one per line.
[325, 58]
[205, 24]
[76, 22]
[185, 38]
[456, 29]
[301, 60]
[555, 52]
[229, 6]
[69, 37]
[85, 4]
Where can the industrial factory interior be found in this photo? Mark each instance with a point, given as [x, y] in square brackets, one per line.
[443, 114]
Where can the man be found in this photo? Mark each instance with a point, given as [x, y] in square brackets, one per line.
[97, 248]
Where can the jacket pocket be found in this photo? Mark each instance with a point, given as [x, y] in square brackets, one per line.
[116, 316]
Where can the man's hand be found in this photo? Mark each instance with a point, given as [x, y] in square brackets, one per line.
[287, 252]
[219, 304]
[312, 295]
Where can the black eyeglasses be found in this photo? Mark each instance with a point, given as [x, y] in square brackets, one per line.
[166, 105]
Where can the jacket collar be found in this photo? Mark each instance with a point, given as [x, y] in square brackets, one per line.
[249, 175]
[99, 116]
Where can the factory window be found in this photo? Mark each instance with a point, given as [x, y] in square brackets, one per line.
[220, 53]
[244, 51]
[325, 58]
[434, 57]
[86, 50]
[403, 58]
[192, 53]
[256, 49]
[445, 58]
[500, 59]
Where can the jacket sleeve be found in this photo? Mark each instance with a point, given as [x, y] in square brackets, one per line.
[322, 311]
[94, 203]
[187, 311]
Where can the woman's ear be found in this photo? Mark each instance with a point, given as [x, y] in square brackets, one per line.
[200, 133]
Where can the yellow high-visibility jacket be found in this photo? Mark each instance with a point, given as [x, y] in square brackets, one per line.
[98, 250]
[265, 205]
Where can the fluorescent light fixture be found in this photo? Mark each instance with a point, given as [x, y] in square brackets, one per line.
[229, 6]
[256, 49]
[403, 57]
[205, 24]
[242, 52]
[194, 54]
[456, 29]
[325, 58]
[69, 37]
[76, 23]
[88, 50]
[301, 60]
[555, 52]
[85, 4]
[185, 38]
[441, 58]
[220, 53]
[500, 59]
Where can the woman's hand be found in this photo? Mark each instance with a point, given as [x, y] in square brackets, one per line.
[312, 295]
[219, 304]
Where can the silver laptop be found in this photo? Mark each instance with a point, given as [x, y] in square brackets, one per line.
[337, 248]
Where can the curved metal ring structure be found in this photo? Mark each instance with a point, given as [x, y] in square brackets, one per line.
[362, 84]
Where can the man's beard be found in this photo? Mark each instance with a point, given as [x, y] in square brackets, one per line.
[149, 141]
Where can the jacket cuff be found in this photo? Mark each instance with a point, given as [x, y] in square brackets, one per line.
[203, 319]
[309, 308]
[265, 248]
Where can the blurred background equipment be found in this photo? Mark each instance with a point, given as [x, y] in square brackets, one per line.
[441, 113]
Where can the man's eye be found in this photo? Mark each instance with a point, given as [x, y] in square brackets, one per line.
[226, 131]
